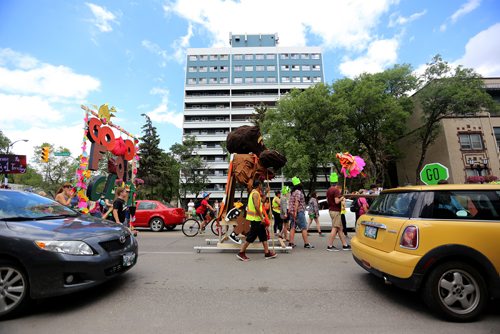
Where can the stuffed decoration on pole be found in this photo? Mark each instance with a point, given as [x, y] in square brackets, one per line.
[352, 166]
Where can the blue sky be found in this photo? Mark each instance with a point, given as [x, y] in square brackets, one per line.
[56, 55]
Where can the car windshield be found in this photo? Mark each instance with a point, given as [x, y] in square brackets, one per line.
[394, 204]
[15, 205]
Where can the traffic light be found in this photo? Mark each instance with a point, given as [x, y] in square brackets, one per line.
[45, 153]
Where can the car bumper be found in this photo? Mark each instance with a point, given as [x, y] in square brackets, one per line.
[394, 267]
[49, 272]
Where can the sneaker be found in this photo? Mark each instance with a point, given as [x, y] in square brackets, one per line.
[321, 234]
[332, 249]
[308, 246]
[270, 255]
[242, 257]
[346, 248]
[292, 245]
[234, 238]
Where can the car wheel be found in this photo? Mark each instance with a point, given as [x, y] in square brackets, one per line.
[14, 288]
[455, 291]
[170, 227]
[156, 224]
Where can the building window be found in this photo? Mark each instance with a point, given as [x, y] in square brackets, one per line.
[248, 57]
[202, 81]
[284, 56]
[295, 67]
[213, 57]
[317, 79]
[248, 80]
[259, 68]
[224, 80]
[285, 67]
[285, 79]
[249, 68]
[223, 68]
[315, 56]
[306, 68]
[270, 56]
[203, 57]
[213, 80]
[238, 80]
[294, 56]
[316, 68]
[213, 68]
[191, 81]
[259, 80]
[259, 56]
[192, 69]
[238, 68]
[203, 69]
[306, 79]
[304, 56]
[271, 79]
[238, 57]
[271, 68]
[296, 79]
[223, 57]
[470, 141]
[192, 58]
[497, 136]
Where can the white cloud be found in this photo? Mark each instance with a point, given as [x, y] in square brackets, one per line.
[401, 20]
[156, 49]
[102, 17]
[346, 24]
[465, 9]
[29, 109]
[161, 113]
[481, 52]
[380, 54]
[180, 45]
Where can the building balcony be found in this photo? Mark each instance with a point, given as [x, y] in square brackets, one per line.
[208, 151]
[255, 98]
[206, 124]
[206, 111]
[207, 137]
[206, 98]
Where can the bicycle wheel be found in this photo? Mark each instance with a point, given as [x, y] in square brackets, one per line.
[216, 227]
[190, 227]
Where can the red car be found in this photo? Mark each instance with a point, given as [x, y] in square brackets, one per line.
[157, 215]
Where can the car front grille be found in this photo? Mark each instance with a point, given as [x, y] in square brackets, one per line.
[115, 244]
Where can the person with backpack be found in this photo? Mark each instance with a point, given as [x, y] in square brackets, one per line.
[201, 210]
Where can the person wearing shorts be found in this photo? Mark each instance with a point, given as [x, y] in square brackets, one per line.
[296, 212]
[334, 198]
[276, 208]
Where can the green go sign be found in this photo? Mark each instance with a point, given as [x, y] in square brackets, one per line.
[433, 173]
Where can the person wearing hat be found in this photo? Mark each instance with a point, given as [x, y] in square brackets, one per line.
[258, 224]
[202, 210]
[334, 198]
[296, 211]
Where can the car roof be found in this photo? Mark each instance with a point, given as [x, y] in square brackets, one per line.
[444, 187]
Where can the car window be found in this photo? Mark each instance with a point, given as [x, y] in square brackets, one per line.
[399, 204]
[323, 205]
[146, 206]
[14, 204]
[462, 205]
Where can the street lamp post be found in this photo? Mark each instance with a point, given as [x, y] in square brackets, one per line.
[6, 178]
[479, 166]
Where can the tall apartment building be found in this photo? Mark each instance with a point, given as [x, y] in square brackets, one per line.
[223, 85]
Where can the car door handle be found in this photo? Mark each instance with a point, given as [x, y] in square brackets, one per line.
[374, 224]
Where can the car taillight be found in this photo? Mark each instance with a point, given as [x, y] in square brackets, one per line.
[409, 239]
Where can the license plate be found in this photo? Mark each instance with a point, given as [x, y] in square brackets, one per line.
[371, 232]
[128, 259]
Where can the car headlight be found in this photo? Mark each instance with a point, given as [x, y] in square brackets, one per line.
[65, 247]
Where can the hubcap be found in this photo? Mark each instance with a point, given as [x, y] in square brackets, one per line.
[12, 288]
[156, 224]
[459, 291]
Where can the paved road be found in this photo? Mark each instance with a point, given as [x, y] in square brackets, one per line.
[172, 289]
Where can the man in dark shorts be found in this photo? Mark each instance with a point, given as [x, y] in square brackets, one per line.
[258, 224]
[120, 207]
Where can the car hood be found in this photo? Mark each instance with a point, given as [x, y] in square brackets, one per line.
[74, 228]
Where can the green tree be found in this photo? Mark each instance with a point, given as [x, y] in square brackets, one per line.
[308, 130]
[376, 107]
[447, 92]
[4, 143]
[193, 178]
[260, 114]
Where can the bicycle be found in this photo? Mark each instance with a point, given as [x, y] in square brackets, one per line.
[191, 226]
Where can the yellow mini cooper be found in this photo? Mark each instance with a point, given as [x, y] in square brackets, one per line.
[443, 241]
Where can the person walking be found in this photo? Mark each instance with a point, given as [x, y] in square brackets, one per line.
[334, 198]
[276, 207]
[296, 211]
[255, 216]
[120, 207]
[363, 205]
[65, 194]
[285, 194]
[313, 212]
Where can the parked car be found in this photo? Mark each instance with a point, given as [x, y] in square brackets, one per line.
[157, 215]
[324, 216]
[441, 241]
[47, 249]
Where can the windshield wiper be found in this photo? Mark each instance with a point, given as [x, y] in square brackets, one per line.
[17, 218]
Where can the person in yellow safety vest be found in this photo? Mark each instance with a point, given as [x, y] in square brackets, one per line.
[255, 216]
[276, 206]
